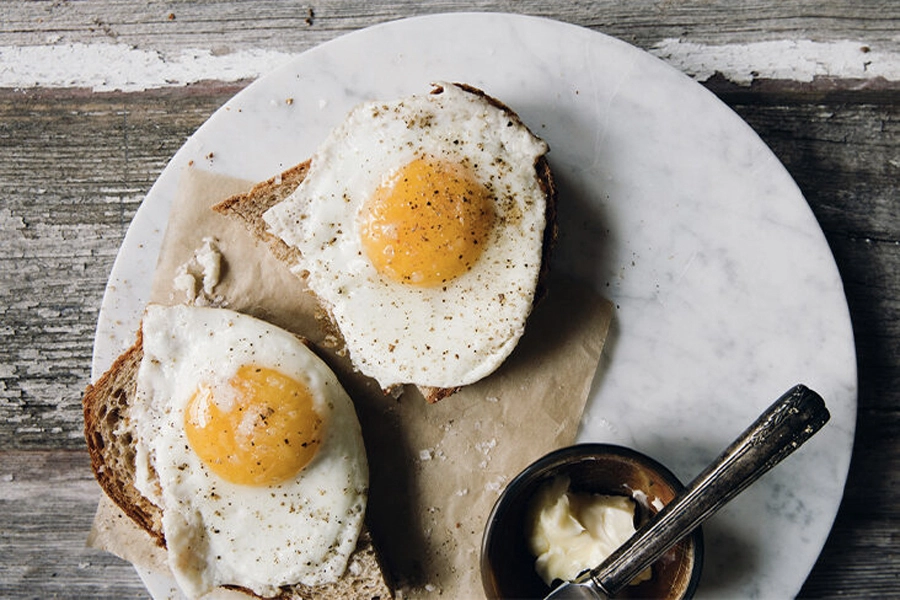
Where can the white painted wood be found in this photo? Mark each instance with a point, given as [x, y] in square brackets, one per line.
[126, 46]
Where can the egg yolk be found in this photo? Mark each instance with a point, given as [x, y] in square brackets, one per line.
[428, 224]
[259, 429]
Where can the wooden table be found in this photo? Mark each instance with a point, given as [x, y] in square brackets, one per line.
[77, 156]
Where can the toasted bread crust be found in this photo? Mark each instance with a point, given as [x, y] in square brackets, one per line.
[436, 394]
[551, 229]
[363, 579]
[250, 207]
[110, 440]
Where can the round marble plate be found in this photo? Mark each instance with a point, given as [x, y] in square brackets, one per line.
[724, 287]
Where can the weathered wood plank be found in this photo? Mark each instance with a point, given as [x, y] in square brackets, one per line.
[48, 500]
[292, 27]
[73, 171]
[861, 558]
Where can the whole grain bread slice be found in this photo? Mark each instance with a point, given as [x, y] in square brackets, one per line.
[249, 208]
[111, 445]
[110, 439]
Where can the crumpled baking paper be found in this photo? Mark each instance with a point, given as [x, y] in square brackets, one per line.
[435, 469]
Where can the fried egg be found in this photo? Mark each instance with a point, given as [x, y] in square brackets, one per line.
[420, 224]
[252, 449]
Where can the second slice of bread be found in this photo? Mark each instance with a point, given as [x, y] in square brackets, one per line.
[111, 445]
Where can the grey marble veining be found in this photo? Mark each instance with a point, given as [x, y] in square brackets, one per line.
[726, 293]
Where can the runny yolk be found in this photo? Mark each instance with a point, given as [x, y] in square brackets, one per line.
[260, 429]
[428, 224]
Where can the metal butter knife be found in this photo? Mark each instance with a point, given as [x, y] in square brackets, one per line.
[780, 430]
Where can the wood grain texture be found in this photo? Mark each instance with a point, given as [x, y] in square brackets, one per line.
[295, 26]
[75, 165]
[48, 500]
[862, 558]
[73, 171]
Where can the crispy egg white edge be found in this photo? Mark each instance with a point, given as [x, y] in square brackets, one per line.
[177, 346]
[442, 337]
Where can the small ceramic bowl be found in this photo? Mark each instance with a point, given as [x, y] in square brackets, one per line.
[507, 564]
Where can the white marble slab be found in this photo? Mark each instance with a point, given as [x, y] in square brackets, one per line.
[725, 289]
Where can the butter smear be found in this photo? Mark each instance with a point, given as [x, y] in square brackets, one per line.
[572, 532]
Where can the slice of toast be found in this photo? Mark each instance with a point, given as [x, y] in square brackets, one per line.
[110, 441]
[250, 207]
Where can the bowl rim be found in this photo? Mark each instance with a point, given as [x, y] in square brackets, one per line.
[538, 470]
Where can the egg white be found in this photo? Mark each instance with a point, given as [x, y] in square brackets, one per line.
[444, 336]
[299, 531]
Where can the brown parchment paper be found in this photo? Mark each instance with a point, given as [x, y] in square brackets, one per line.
[435, 470]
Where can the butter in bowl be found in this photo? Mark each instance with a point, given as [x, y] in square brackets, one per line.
[573, 507]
